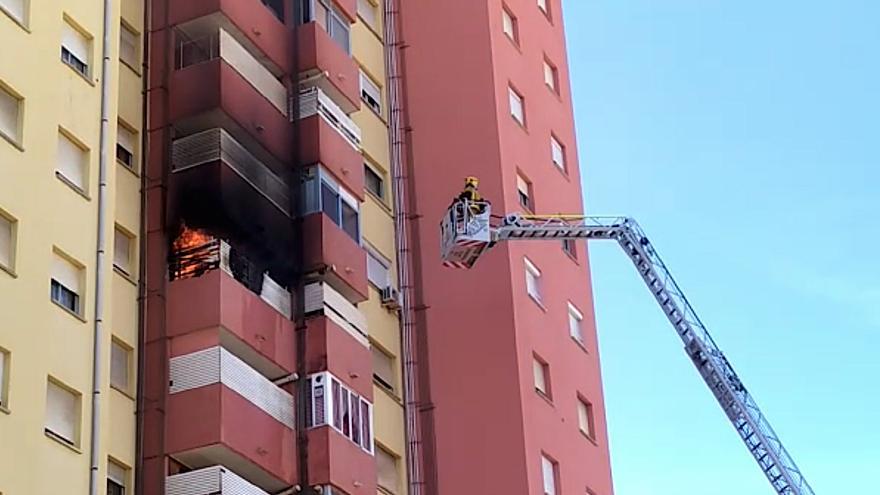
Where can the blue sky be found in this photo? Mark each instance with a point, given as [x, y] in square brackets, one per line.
[743, 136]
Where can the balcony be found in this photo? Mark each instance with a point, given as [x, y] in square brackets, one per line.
[215, 480]
[223, 412]
[237, 193]
[225, 312]
[334, 349]
[253, 25]
[326, 64]
[333, 254]
[329, 137]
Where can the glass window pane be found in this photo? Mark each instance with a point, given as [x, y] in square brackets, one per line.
[330, 202]
[350, 222]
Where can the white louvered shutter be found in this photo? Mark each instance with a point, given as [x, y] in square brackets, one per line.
[75, 42]
[119, 366]
[122, 251]
[9, 108]
[128, 46]
[117, 473]
[549, 476]
[383, 368]
[71, 161]
[377, 269]
[6, 246]
[386, 465]
[61, 412]
[125, 138]
[66, 274]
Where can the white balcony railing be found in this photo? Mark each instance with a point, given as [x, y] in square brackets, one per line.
[321, 298]
[313, 101]
[214, 480]
[216, 144]
[217, 365]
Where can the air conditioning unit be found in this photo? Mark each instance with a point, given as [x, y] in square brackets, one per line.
[390, 298]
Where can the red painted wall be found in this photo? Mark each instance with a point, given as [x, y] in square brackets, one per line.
[488, 426]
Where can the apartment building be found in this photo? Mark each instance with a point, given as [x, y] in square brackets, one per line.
[58, 305]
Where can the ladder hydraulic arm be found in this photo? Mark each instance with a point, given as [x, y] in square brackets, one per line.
[467, 233]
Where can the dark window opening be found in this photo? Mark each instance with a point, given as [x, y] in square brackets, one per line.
[277, 8]
[124, 156]
[374, 182]
[114, 488]
[570, 248]
[72, 60]
[65, 297]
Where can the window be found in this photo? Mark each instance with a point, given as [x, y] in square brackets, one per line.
[7, 241]
[383, 369]
[10, 115]
[533, 281]
[323, 194]
[551, 76]
[120, 366]
[62, 413]
[65, 283]
[544, 5]
[340, 408]
[548, 472]
[370, 93]
[368, 10]
[116, 478]
[15, 8]
[557, 152]
[575, 320]
[517, 109]
[509, 25]
[378, 269]
[4, 378]
[72, 162]
[374, 181]
[386, 467]
[123, 243]
[328, 16]
[524, 192]
[276, 7]
[542, 376]
[570, 247]
[585, 418]
[75, 49]
[126, 141]
[129, 45]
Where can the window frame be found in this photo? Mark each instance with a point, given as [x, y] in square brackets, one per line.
[522, 182]
[375, 17]
[381, 194]
[115, 480]
[369, 85]
[546, 8]
[128, 271]
[516, 99]
[385, 384]
[531, 270]
[561, 163]
[22, 21]
[541, 368]
[316, 178]
[331, 11]
[513, 33]
[574, 314]
[77, 412]
[85, 156]
[395, 462]
[569, 247]
[553, 481]
[5, 371]
[377, 257]
[117, 343]
[17, 139]
[126, 28]
[326, 391]
[9, 266]
[79, 300]
[121, 127]
[588, 416]
[68, 55]
[553, 83]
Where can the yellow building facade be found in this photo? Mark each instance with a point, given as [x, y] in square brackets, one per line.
[50, 108]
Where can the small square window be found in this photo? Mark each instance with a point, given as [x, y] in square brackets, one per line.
[370, 93]
[388, 471]
[544, 5]
[8, 227]
[575, 324]
[72, 162]
[524, 192]
[549, 473]
[66, 282]
[510, 25]
[4, 378]
[126, 144]
[120, 366]
[557, 153]
[569, 246]
[542, 375]
[76, 49]
[129, 47]
[17, 9]
[383, 369]
[533, 281]
[551, 76]
[63, 409]
[374, 181]
[517, 107]
[123, 248]
[10, 115]
[117, 478]
[586, 421]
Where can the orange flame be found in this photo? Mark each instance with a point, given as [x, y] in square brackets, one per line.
[191, 238]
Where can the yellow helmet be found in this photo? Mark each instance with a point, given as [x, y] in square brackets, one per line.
[471, 181]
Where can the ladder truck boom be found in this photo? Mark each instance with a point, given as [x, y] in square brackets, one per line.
[467, 232]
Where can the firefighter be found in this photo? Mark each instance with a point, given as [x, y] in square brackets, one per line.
[471, 194]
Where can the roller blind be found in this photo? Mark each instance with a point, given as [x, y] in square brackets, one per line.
[15, 8]
[383, 368]
[122, 251]
[585, 422]
[540, 379]
[558, 152]
[371, 93]
[516, 106]
[116, 473]
[9, 108]
[368, 13]
[377, 269]
[507, 24]
[119, 366]
[62, 412]
[522, 185]
[71, 161]
[574, 323]
[6, 242]
[75, 42]
[386, 465]
[128, 46]
[549, 476]
[549, 75]
[533, 286]
[65, 273]
[125, 138]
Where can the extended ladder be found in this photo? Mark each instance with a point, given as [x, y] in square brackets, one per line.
[742, 410]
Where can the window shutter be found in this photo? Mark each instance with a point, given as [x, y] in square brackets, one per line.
[119, 366]
[122, 250]
[125, 138]
[549, 476]
[383, 368]
[386, 465]
[15, 8]
[371, 93]
[66, 273]
[128, 49]
[549, 75]
[5, 242]
[61, 412]
[377, 269]
[522, 186]
[368, 13]
[574, 323]
[9, 108]
[117, 473]
[71, 161]
[75, 42]
[557, 152]
[583, 417]
[507, 24]
[540, 379]
[516, 106]
[543, 5]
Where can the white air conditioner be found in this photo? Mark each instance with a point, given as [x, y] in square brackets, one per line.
[390, 298]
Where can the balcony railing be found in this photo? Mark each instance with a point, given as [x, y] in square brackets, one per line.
[321, 298]
[221, 44]
[217, 365]
[313, 101]
[217, 145]
[214, 480]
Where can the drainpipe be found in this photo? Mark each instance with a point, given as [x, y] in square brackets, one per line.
[100, 256]
[394, 44]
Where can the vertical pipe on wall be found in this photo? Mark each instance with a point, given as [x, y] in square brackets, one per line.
[393, 46]
[100, 256]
